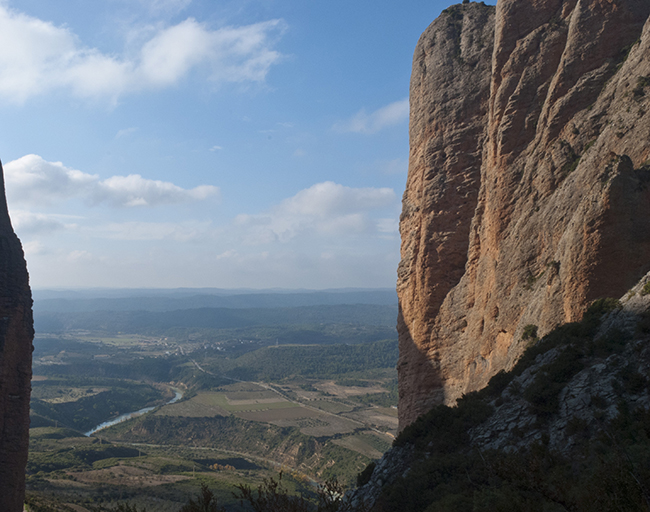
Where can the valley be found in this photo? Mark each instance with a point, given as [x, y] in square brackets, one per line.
[223, 407]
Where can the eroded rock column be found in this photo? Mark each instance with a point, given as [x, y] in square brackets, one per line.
[16, 336]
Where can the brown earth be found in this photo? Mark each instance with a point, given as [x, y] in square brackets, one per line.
[527, 192]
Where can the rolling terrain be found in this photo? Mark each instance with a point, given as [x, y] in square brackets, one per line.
[314, 400]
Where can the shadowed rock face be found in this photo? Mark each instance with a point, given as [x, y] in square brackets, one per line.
[16, 336]
[528, 192]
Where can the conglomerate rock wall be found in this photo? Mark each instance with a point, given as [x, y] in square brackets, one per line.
[16, 336]
[527, 195]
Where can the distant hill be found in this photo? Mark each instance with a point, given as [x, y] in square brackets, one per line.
[214, 318]
[185, 298]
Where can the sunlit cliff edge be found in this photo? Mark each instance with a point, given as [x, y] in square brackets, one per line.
[527, 192]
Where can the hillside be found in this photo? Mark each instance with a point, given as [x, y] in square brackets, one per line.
[214, 318]
[567, 429]
[172, 300]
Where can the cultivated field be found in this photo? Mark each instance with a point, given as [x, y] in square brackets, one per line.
[367, 443]
[236, 399]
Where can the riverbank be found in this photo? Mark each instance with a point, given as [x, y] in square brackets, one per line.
[178, 394]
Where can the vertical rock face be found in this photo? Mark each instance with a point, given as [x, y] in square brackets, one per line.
[16, 335]
[528, 193]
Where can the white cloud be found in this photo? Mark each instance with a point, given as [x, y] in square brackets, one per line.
[384, 117]
[125, 132]
[80, 256]
[34, 248]
[134, 190]
[323, 209]
[331, 198]
[388, 226]
[148, 231]
[33, 180]
[36, 57]
[25, 222]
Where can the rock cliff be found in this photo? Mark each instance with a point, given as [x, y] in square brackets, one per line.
[566, 429]
[16, 335]
[527, 196]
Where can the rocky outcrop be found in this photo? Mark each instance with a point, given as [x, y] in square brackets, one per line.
[527, 195]
[16, 335]
[579, 397]
[614, 378]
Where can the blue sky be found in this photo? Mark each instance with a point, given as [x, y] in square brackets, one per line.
[205, 143]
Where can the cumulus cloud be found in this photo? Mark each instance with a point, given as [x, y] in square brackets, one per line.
[33, 180]
[34, 248]
[329, 198]
[384, 117]
[149, 231]
[134, 190]
[326, 208]
[388, 226]
[36, 57]
[25, 222]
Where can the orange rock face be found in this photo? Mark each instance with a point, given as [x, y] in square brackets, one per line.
[16, 336]
[528, 193]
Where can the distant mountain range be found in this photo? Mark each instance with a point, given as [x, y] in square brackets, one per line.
[68, 301]
[156, 310]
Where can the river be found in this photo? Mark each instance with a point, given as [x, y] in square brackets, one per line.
[129, 415]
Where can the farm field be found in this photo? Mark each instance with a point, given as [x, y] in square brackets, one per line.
[367, 443]
[86, 474]
[318, 417]
[222, 403]
[312, 411]
[330, 406]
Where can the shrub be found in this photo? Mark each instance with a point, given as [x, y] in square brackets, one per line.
[646, 289]
[205, 502]
[550, 380]
[364, 477]
[530, 332]
[125, 507]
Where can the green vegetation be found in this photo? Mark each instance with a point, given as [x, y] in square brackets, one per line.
[646, 289]
[255, 397]
[251, 437]
[99, 474]
[572, 161]
[63, 401]
[531, 279]
[388, 399]
[364, 477]
[205, 502]
[529, 332]
[271, 496]
[159, 323]
[283, 362]
[641, 83]
[608, 471]
[625, 52]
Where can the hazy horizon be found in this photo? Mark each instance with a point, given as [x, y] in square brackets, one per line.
[188, 143]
